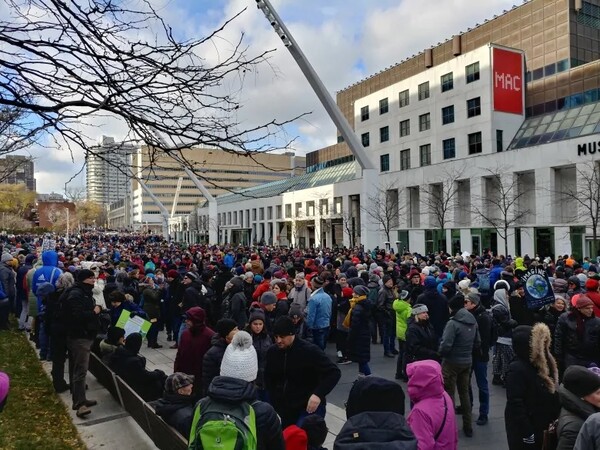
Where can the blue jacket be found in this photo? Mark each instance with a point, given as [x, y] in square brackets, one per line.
[48, 273]
[495, 275]
[319, 310]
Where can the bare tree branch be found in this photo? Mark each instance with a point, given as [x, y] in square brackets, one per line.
[384, 207]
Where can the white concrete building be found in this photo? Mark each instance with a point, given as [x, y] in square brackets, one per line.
[105, 183]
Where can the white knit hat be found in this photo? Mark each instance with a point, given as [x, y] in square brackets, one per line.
[240, 360]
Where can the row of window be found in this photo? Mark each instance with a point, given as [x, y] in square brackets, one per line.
[446, 83]
[475, 146]
[473, 110]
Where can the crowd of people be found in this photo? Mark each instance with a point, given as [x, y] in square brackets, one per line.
[251, 327]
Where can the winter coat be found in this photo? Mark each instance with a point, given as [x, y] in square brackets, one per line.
[460, 338]
[495, 275]
[431, 404]
[574, 412]
[234, 304]
[589, 435]
[531, 397]
[49, 272]
[131, 367]
[8, 280]
[567, 343]
[300, 296]
[319, 310]
[193, 346]
[375, 431]
[127, 305]
[261, 343]
[437, 304]
[20, 278]
[292, 375]
[421, 341]
[502, 317]
[78, 306]
[359, 333]
[484, 324]
[193, 296]
[211, 362]
[151, 302]
[177, 410]
[385, 300]
[402, 309]
[519, 310]
[268, 425]
[549, 315]
[106, 351]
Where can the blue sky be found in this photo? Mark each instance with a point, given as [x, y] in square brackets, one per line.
[344, 40]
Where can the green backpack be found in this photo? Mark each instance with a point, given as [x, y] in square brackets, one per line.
[222, 426]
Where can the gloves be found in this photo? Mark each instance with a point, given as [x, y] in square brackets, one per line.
[529, 440]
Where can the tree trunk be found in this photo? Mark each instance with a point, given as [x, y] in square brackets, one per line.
[506, 241]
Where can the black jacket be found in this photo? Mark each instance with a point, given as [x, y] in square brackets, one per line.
[234, 304]
[192, 296]
[375, 431]
[519, 310]
[80, 319]
[574, 412]
[177, 410]
[261, 342]
[211, 363]
[294, 374]
[568, 343]
[132, 369]
[437, 304]
[484, 323]
[359, 334]
[421, 342]
[268, 425]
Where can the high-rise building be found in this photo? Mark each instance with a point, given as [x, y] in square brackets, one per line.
[17, 169]
[106, 171]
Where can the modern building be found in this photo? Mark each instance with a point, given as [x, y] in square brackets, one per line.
[107, 180]
[17, 169]
[485, 141]
[220, 171]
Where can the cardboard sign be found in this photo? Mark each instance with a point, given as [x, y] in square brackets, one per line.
[135, 324]
[538, 290]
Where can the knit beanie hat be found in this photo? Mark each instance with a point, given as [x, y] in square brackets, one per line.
[316, 430]
[268, 298]
[6, 257]
[224, 327]
[584, 301]
[172, 273]
[457, 302]
[295, 438]
[256, 314]
[474, 297]
[580, 381]
[240, 360]
[284, 327]
[84, 274]
[176, 381]
[361, 290]
[386, 278]
[418, 309]
[295, 310]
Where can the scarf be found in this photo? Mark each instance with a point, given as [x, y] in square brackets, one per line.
[353, 302]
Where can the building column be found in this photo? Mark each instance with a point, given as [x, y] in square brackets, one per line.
[545, 184]
[369, 233]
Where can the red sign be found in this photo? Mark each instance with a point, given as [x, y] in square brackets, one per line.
[508, 81]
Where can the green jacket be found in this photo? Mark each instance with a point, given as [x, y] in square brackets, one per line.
[402, 309]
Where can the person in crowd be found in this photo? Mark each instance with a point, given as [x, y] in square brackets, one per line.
[176, 406]
[437, 305]
[577, 336]
[385, 300]
[118, 303]
[151, 301]
[194, 344]
[502, 318]
[415, 286]
[234, 303]
[432, 418]
[459, 341]
[589, 435]
[301, 292]
[518, 306]
[115, 338]
[261, 342]
[359, 335]
[81, 315]
[127, 363]
[8, 286]
[341, 332]
[402, 310]
[249, 286]
[193, 295]
[235, 385]
[377, 318]
[375, 418]
[549, 314]
[22, 294]
[591, 291]
[579, 398]
[481, 356]
[531, 388]
[297, 317]
[298, 375]
[316, 432]
[4, 389]
[211, 362]
[175, 299]
[421, 340]
[318, 316]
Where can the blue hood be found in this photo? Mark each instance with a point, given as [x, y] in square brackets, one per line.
[430, 282]
[50, 258]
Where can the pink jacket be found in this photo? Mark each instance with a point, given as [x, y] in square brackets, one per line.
[426, 391]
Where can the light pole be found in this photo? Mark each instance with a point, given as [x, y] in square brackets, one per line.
[68, 220]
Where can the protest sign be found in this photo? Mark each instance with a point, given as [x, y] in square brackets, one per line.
[135, 324]
[538, 290]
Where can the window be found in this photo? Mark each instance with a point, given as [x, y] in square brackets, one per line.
[278, 211]
[288, 210]
[298, 209]
[384, 134]
[448, 115]
[323, 206]
[425, 155]
[447, 82]
[235, 217]
[424, 122]
[310, 208]
[403, 99]
[364, 113]
[405, 159]
[474, 107]
[383, 106]
[472, 72]
[337, 205]
[475, 145]
[499, 140]
[449, 147]
[261, 214]
[424, 90]
[404, 127]
[384, 163]
[269, 213]
[253, 213]
[365, 139]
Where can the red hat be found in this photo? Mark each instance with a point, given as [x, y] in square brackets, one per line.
[347, 292]
[584, 301]
[172, 273]
[295, 438]
[591, 284]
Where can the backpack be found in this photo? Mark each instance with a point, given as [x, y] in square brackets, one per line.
[483, 281]
[223, 426]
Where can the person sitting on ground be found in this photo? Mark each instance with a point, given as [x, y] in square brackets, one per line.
[211, 362]
[115, 338]
[131, 367]
[374, 410]
[176, 407]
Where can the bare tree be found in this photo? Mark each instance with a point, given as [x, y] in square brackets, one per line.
[75, 194]
[64, 64]
[384, 208]
[585, 194]
[500, 207]
[349, 225]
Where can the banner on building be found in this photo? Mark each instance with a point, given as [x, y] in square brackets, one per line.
[538, 290]
[508, 81]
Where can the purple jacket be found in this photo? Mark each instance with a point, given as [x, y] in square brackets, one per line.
[426, 419]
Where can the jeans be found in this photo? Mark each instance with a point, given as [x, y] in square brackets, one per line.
[363, 367]
[458, 376]
[175, 326]
[480, 371]
[79, 351]
[320, 337]
[389, 336]
[401, 364]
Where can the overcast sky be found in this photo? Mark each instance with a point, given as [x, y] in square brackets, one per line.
[345, 41]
